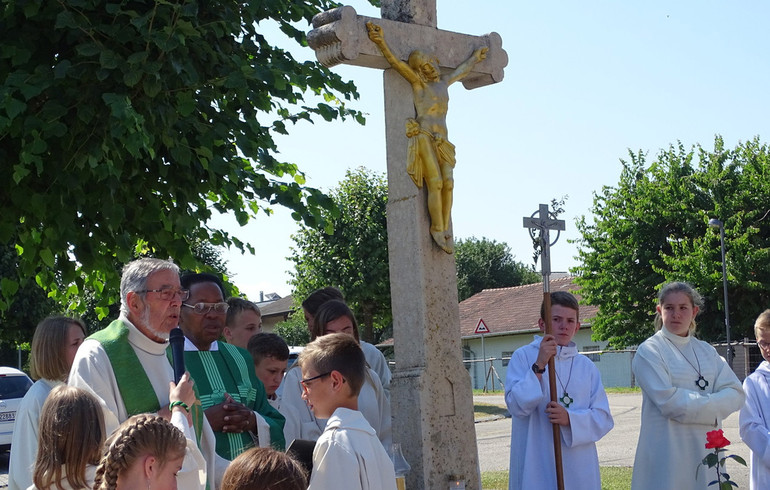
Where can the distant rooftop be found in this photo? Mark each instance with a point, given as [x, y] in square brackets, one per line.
[515, 309]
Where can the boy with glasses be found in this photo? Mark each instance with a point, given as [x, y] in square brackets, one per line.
[348, 454]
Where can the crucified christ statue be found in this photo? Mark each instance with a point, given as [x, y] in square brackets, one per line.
[431, 157]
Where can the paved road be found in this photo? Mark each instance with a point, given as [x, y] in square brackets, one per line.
[617, 448]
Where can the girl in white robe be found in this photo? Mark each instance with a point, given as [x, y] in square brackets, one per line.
[54, 344]
[687, 390]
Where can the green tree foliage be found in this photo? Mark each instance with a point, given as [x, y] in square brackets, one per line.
[126, 125]
[354, 257]
[652, 228]
[294, 330]
[486, 264]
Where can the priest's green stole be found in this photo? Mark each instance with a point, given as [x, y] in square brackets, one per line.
[224, 371]
[133, 383]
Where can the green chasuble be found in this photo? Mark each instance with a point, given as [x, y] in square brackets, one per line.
[231, 370]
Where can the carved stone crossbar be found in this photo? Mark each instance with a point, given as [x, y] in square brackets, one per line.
[339, 36]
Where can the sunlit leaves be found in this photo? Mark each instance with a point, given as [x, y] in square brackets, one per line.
[652, 228]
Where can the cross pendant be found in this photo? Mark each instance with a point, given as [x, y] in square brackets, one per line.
[701, 383]
[566, 400]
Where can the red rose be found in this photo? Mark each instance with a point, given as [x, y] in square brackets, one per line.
[716, 439]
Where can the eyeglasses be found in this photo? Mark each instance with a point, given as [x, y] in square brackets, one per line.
[306, 381]
[167, 294]
[203, 308]
[763, 345]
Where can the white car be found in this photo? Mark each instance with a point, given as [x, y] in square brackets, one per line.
[13, 386]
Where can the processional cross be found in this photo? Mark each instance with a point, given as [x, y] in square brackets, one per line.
[432, 406]
[543, 223]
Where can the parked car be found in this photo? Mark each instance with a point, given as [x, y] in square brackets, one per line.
[293, 354]
[13, 386]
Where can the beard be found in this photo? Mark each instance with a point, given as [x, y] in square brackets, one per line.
[145, 319]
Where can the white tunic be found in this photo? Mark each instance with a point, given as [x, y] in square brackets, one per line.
[532, 454]
[93, 371]
[755, 425]
[349, 456]
[676, 414]
[24, 442]
[302, 424]
[376, 360]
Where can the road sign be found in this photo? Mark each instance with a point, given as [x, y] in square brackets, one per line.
[481, 327]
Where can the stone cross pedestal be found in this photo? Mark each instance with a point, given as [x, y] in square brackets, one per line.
[431, 393]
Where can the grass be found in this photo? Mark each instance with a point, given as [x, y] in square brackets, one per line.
[483, 410]
[613, 478]
[616, 390]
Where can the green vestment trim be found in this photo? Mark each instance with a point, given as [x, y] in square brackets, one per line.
[231, 370]
[134, 385]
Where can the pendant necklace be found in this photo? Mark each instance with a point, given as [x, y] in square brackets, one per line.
[701, 382]
[565, 399]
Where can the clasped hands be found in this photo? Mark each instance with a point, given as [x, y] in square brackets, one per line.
[231, 416]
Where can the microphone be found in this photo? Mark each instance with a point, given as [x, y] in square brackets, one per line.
[176, 339]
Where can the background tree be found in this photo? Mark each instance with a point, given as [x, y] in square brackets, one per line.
[652, 228]
[126, 125]
[294, 330]
[485, 264]
[354, 257]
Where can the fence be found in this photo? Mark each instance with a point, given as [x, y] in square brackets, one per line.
[614, 366]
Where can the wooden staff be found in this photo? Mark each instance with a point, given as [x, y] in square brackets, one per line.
[543, 223]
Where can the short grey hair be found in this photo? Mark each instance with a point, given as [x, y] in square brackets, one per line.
[135, 274]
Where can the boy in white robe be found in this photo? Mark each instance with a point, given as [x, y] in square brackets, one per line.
[755, 414]
[582, 412]
[348, 454]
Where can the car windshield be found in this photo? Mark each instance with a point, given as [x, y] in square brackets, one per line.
[13, 387]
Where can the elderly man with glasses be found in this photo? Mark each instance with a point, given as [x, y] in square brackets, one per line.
[127, 367]
[232, 396]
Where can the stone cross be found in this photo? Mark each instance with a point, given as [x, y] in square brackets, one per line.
[431, 394]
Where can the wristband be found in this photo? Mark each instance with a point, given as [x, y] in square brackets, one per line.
[179, 403]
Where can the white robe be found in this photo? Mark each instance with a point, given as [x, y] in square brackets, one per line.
[302, 424]
[532, 455]
[376, 360]
[93, 371]
[676, 414]
[755, 425]
[24, 442]
[348, 456]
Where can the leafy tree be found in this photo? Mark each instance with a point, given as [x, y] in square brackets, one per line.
[485, 264]
[652, 228]
[126, 125]
[354, 257]
[294, 330]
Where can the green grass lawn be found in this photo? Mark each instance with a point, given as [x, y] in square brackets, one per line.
[483, 410]
[613, 478]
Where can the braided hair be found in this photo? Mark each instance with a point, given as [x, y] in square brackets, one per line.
[138, 436]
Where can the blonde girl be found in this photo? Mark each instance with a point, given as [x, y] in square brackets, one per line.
[54, 344]
[71, 437]
[145, 452]
[687, 390]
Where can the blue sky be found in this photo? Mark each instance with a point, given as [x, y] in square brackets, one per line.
[585, 82]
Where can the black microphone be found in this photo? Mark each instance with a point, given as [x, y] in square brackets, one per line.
[176, 339]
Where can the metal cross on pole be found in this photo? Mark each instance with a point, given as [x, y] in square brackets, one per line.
[543, 223]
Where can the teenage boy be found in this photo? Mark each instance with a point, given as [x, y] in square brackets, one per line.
[754, 417]
[582, 410]
[243, 321]
[348, 454]
[271, 356]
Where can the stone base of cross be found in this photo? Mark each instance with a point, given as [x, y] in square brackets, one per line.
[431, 393]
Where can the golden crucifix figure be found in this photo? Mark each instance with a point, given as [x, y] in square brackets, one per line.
[431, 157]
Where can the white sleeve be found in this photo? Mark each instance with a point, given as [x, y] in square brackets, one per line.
[523, 391]
[92, 371]
[333, 467]
[588, 425]
[754, 428]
